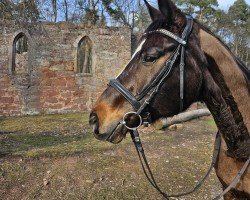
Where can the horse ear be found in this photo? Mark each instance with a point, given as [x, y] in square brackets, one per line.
[154, 13]
[168, 9]
[171, 13]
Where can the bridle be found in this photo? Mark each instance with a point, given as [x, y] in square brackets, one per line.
[152, 89]
[141, 117]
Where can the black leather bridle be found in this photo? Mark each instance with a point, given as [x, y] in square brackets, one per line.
[152, 89]
[142, 117]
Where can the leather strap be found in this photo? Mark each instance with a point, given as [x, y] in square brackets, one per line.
[182, 78]
[235, 181]
[169, 34]
[148, 173]
[162, 74]
[125, 93]
[187, 31]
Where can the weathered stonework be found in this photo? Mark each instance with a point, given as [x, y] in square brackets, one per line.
[49, 83]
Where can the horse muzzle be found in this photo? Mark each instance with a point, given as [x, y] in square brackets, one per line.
[115, 134]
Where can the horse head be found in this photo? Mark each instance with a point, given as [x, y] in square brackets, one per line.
[154, 52]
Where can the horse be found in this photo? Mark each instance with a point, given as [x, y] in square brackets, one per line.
[208, 72]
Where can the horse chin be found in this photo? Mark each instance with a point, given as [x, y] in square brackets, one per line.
[118, 134]
[115, 135]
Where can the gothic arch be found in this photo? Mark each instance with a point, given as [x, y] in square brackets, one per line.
[84, 62]
[25, 36]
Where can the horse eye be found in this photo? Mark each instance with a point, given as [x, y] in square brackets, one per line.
[149, 59]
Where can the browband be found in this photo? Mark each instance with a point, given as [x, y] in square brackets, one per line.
[169, 34]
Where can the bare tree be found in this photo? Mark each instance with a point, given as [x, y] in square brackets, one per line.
[66, 11]
[122, 11]
[54, 8]
[25, 11]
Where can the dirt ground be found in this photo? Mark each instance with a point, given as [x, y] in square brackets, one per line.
[56, 157]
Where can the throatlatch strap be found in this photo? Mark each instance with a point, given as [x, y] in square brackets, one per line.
[182, 78]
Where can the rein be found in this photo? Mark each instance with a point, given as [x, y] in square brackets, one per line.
[140, 117]
[148, 173]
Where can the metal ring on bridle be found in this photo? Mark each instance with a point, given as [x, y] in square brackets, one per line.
[136, 117]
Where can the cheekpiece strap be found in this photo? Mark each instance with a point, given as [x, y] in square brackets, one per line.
[187, 31]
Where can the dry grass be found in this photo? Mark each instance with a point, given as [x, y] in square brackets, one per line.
[56, 157]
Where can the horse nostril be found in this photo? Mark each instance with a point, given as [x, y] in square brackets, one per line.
[93, 119]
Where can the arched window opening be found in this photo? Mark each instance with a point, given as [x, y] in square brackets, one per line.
[20, 54]
[84, 56]
[22, 44]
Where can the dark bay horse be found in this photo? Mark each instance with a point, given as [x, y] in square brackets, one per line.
[212, 75]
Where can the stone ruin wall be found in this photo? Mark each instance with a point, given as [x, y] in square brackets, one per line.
[46, 80]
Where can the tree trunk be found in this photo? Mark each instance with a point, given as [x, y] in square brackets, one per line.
[182, 117]
[54, 7]
[66, 10]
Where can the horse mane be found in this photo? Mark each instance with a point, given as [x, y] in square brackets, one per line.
[243, 67]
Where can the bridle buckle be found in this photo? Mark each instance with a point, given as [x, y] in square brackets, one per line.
[146, 118]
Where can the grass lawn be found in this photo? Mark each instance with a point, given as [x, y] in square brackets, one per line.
[56, 157]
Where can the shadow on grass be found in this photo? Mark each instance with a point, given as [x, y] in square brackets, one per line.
[44, 134]
[17, 144]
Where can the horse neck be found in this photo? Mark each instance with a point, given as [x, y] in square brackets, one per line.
[226, 92]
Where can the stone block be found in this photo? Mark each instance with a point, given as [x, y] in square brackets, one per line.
[6, 100]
